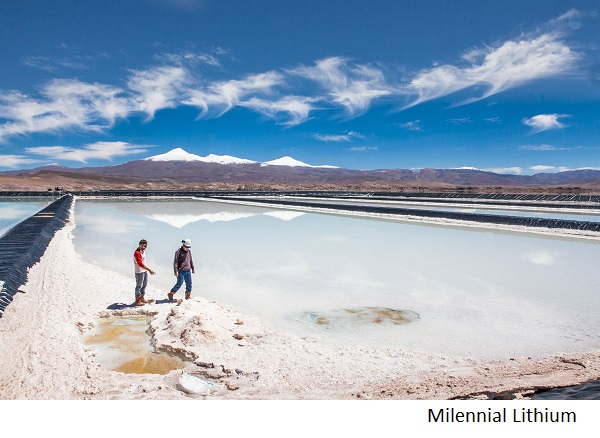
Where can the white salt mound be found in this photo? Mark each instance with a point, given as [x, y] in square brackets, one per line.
[192, 384]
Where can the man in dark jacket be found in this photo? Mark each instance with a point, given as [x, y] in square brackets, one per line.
[183, 266]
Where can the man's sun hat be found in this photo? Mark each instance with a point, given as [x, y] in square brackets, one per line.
[187, 243]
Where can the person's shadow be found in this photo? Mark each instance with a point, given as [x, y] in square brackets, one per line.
[120, 306]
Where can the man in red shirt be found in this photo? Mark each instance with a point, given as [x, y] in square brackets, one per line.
[141, 272]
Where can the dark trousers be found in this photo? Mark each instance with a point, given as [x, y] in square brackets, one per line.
[181, 277]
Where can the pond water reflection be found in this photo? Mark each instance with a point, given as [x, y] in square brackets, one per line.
[14, 211]
[474, 292]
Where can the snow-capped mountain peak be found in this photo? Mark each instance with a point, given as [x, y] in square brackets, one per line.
[176, 154]
[286, 161]
[226, 159]
[289, 161]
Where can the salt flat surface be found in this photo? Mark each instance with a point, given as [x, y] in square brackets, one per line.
[42, 354]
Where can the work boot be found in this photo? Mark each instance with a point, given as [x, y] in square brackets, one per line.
[170, 296]
[138, 301]
[142, 299]
[188, 295]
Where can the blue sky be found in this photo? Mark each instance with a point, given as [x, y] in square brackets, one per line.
[511, 86]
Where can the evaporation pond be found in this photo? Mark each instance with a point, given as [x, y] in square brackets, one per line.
[123, 345]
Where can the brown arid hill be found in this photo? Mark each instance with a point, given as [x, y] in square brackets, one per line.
[181, 175]
[79, 182]
[76, 182]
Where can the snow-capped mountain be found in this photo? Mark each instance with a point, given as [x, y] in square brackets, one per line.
[227, 159]
[178, 154]
[286, 161]
[289, 161]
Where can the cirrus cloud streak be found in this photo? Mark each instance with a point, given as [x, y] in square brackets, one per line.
[101, 150]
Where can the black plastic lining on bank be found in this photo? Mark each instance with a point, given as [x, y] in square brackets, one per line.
[471, 217]
[527, 197]
[24, 244]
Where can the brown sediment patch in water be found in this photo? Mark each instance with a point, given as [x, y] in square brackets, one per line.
[123, 345]
[152, 363]
[360, 316]
[394, 316]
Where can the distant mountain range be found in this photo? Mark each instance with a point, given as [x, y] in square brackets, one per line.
[180, 168]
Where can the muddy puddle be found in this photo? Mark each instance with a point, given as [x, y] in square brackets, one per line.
[123, 344]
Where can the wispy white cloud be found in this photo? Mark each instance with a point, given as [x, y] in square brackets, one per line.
[569, 19]
[159, 88]
[550, 169]
[73, 105]
[55, 64]
[460, 121]
[338, 138]
[16, 160]
[546, 147]
[353, 87]
[41, 62]
[96, 151]
[295, 110]
[544, 122]
[411, 126]
[65, 104]
[363, 148]
[515, 170]
[508, 65]
[217, 98]
[189, 58]
[542, 168]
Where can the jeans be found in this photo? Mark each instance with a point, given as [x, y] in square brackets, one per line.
[141, 281]
[181, 277]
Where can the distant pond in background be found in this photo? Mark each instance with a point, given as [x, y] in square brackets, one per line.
[14, 211]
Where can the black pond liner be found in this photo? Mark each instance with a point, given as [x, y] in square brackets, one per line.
[471, 217]
[593, 201]
[24, 244]
[584, 391]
